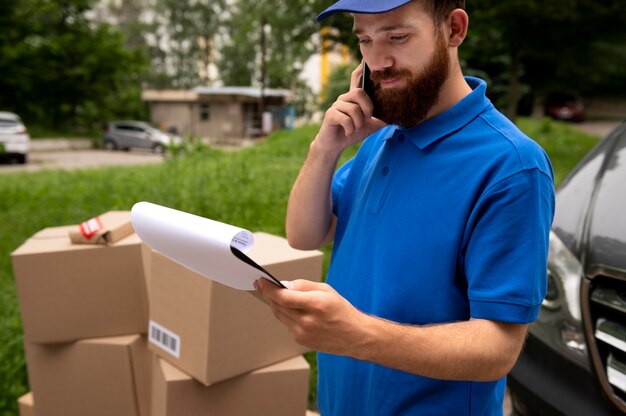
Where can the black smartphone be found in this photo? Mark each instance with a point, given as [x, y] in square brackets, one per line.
[368, 85]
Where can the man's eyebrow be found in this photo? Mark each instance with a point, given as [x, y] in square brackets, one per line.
[391, 28]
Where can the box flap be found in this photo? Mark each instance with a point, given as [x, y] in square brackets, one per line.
[269, 249]
[294, 364]
[106, 228]
[55, 232]
[170, 372]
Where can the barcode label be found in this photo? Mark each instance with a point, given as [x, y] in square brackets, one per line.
[164, 339]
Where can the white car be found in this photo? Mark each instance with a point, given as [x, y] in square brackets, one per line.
[14, 138]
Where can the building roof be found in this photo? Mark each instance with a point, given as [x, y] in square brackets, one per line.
[169, 95]
[172, 95]
[245, 91]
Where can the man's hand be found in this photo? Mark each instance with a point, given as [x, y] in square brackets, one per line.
[316, 315]
[349, 120]
[321, 319]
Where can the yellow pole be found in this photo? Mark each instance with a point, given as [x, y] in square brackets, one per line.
[324, 70]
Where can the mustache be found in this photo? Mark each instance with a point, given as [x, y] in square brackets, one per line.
[377, 76]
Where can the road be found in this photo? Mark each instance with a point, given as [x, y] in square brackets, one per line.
[81, 159]
[598, 128]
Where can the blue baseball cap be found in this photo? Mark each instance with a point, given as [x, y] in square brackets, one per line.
[361, 6]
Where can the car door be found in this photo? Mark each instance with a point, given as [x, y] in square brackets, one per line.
[126, 135]
[142, 137]
[136, 136]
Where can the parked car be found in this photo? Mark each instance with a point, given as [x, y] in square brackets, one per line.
[565, 106]
[574, 360]
[14, 138]
[125, 135]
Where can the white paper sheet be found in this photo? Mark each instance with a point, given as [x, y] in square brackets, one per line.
[204, 246]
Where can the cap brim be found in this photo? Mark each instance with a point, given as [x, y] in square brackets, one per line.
[361, 6]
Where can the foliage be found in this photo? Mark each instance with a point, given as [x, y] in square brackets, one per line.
[338, 83]
[60, 70]
[276, 60]
[190, 30]
[544, 46]
[565, 144]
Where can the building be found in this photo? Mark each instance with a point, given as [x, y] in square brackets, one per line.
[220, 114]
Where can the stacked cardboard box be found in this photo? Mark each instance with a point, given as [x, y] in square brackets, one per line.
[209, 349]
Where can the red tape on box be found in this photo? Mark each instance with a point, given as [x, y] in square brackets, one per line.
[90, 227]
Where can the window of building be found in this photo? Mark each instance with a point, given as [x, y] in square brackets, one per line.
[204, 112]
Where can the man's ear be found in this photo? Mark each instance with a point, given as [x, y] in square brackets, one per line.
[457, 21]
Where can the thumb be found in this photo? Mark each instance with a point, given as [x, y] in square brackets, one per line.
[374, 124]
[304, 285]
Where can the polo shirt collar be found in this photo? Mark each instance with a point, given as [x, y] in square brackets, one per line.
[451, 120]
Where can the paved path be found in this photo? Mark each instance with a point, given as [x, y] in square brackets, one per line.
[598, 128]
[81, 159]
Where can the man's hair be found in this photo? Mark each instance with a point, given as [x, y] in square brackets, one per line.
[441, 8]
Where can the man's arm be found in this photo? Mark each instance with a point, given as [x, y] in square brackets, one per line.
[310, 222]
[319, 318]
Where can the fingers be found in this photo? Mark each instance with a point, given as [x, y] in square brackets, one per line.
[302, 295]
[355, 78]
[351, 111]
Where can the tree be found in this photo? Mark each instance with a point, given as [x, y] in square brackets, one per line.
[61, 71]
[338, 83]
[544, 45]
[287, 27]
[186, 31]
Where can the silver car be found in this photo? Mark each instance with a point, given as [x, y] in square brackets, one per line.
[14, 138]
[125, 135]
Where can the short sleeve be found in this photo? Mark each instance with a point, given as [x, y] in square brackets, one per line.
[506, 248]
[339, 182]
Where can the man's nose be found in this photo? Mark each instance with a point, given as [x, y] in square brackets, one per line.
[378, 59]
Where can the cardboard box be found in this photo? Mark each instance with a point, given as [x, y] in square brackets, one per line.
[107, 228]
[213, 332]
[26, 405]
[73, 291]
[100, 376]
[54, 232]
[277, 390]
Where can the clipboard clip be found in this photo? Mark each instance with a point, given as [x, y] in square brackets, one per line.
[241, 256]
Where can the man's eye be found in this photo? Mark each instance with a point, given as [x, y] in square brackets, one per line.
[398, 38]
[363, 41]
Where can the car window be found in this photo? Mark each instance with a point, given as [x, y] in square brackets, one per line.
[608, 225]
[8, 122]
[574, 195]
[129, 128]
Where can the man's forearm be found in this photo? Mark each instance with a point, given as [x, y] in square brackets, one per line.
[477, 350]
[309, 221]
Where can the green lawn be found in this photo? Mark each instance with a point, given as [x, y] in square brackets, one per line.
[248, 188]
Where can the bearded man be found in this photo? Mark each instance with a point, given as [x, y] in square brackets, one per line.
[440, 226]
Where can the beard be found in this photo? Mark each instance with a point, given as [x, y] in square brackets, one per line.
[408, 106]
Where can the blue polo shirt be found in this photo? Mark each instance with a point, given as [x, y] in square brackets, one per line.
[442, 222]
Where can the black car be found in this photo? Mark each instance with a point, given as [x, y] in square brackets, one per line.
[574, 360]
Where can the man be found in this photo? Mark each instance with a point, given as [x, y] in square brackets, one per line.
[440, 227]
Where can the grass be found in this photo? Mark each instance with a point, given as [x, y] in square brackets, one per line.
[248, 188]
[564, 143]
[38, 132]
